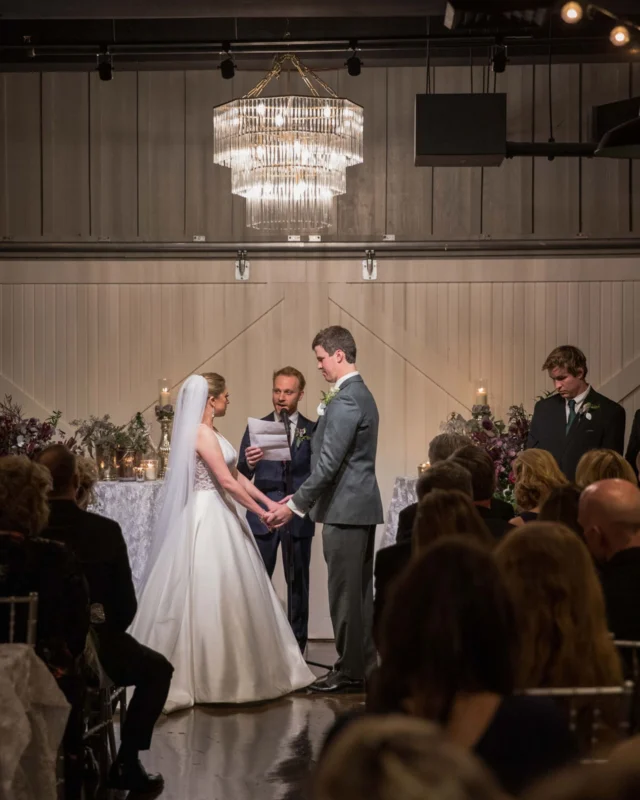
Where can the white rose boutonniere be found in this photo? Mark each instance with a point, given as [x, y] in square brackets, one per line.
[586, 409]
[327, 397]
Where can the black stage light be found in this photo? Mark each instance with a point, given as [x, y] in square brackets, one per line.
[105, 68]
[354, 66]
[499, 58]
[227, 69]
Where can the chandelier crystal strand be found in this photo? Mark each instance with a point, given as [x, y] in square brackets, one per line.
[288, 155]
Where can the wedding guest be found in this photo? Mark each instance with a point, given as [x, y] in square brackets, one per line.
[560, 613]
[390, 561]
[100, 547]
[449, 513]
[576, 418]
[439, 476]
[561, 506]
[633, 448]
[399, 758]
[599, 465]
[271, 478]
[483, 479]
[610, 515]
[448, 640]
[29, 563]
[87, 479]
[536, 474]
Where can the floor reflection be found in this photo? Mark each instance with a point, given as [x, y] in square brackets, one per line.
[261, 752]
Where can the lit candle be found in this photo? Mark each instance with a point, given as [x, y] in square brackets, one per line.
[150, 471]
[482, 393]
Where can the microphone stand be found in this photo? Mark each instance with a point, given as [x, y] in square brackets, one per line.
[289, 569]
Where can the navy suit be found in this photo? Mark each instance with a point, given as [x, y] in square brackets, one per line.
[270, 477]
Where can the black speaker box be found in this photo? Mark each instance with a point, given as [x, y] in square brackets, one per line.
[460, 130]
[610, 115]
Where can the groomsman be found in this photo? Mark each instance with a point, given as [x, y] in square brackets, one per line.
[576, 418]
[271, 478]
[633, 449]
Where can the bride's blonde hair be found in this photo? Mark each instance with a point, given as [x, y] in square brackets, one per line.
[215, 382]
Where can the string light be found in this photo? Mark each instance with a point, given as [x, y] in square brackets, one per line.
[620, 36]
[571, 12]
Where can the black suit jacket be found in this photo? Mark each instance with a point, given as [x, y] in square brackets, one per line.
[633, 448]
[604, 429]
[100, 547]
[497, 527]
[620, 579]
[389, 564]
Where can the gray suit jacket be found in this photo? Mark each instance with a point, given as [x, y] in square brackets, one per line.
[342, 488]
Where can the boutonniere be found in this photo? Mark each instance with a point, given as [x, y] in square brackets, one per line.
[586, 409]
[327, 397]
[301, 436]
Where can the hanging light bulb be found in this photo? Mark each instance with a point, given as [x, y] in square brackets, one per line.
[571, 12]
[620, 36]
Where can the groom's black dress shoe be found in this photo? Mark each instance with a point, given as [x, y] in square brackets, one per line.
[134, 777]
[337, 683]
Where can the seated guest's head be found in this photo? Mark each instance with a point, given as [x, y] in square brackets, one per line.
[610, 517]
[87, 471]
[444, 445]
[399, 758]
[444, 475]
[24, 486]
[61, 463]
[482, 470]
[559, 607]
[445, 513]
[561, 505]
[536, 473]
[600, 465]
[448, 628]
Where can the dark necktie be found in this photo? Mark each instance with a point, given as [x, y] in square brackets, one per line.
[572, 415]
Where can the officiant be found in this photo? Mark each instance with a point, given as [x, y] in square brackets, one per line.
[271, 478]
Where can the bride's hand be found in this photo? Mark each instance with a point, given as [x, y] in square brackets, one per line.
[271, 505]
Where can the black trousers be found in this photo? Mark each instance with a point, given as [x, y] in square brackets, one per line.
[297, 553]
[129, 663]
[348, 551]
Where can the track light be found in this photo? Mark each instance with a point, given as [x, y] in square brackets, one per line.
[354, 66]
[571, 12]
[105, 67]
[227, 69]
[499, 58]
[620, 36]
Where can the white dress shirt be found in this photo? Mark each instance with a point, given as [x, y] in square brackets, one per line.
[336, 385]
[293, 424]
[579, 401]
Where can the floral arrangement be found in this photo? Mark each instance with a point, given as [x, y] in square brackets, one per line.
[26, 436]
[164, 412]
[99, 435]
[503, 441]
[137, 434]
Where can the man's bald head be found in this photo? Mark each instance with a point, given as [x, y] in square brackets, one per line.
[61, 463]
[609, 514]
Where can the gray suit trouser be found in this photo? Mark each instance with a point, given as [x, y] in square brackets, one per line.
[348, 551]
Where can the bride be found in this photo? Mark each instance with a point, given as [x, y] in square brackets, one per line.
[207, 603]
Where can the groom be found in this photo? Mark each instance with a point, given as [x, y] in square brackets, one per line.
[342, 492]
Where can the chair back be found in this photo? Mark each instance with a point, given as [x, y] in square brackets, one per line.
[630, 657]
[30, 624]
[599, 717]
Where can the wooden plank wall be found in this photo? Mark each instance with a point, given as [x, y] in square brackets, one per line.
[130, 159]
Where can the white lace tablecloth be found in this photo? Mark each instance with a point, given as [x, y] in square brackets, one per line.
[32, 721]
[404, 493]
[133, 506]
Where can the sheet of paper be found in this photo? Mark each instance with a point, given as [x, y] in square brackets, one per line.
[271, 437]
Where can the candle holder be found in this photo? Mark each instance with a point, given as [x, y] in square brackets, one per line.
[164, 448]
[422, 468]
[481, 406]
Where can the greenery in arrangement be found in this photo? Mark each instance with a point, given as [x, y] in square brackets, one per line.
[503, 441]
[137, 433]
[99, 435]
[26, 436]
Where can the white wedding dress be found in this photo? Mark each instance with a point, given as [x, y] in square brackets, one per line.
[229, 640]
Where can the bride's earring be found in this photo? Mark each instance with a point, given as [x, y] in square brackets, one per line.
[213, 414]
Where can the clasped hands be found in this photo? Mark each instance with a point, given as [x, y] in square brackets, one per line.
[278, 514]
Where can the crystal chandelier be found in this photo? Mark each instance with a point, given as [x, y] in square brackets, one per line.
[289, 154]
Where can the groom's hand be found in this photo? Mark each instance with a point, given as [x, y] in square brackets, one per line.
[285, 500]
[279, 517]
[253, 455]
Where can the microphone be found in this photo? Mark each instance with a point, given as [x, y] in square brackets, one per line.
[287, 426]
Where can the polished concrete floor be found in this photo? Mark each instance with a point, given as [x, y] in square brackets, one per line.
[260, 752]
